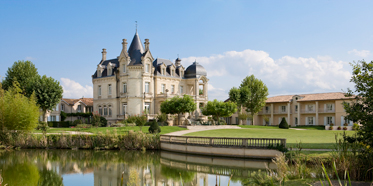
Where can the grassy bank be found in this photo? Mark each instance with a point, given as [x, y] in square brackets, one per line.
[119, 130]
[311, 139]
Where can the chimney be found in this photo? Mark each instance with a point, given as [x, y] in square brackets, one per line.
[124, 43]
[146, 44]
[103, 54]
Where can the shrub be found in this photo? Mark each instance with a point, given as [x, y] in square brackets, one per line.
[131, 119]
[76, 122]
[83, 126]
[162, 118]
[118, 125]
[222, 122]
[331, 124]
[355, 126]
[339, 128]
[140, 121]
[63, 124]
[331, 128]
[43, 126]
[344, 128]
[283, 124]
[154, 127]
[345, 124]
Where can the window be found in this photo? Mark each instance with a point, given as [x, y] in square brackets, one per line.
[181, 74]
[63, 107]
[109, 110]
[124, 68]
[329, 120]
[296, 121]
[105, 110]
[109, 89]
[79, 108]
[181, 90]
[347, 120]
[329, 107]
[124, 87]
[172, 73]
[236, 120]
[53, 118]
[100, 110]
[124, 108]
[147, 87]
[296, 108]
[310, 107]
[283, 108]
[109, 72]
[267, 109]
[147, 107]
[172, 89]
[163, 90]
[147, 67]
[310, 120]
[99, 90]
[163, 71]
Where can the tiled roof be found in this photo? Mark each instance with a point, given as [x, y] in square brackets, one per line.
[87, 101]
[309, 97]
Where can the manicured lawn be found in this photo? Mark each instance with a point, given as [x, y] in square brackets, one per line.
[120, 130]
[311, 139]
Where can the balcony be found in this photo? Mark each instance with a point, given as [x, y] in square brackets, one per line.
[265, 112]
[280, 112]
[123, 94]
[304, 111]
[326, 110]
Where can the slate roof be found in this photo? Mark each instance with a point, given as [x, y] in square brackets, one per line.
[195, 70]
[157, 65]
[136, 50]
[105, 63]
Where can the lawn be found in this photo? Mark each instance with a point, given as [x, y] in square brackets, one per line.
[310, 139]
[120, 130]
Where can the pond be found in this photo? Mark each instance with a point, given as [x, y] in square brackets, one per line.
[115, 168]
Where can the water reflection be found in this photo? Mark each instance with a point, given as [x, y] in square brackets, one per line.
[117, 168]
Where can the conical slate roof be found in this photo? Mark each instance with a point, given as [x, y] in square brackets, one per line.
[136, 50]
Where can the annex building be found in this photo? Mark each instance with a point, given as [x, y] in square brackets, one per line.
[303, 109]
[136, 83]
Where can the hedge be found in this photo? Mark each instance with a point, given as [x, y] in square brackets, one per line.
[61, 124]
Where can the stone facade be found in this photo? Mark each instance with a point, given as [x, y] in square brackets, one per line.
[136, 83]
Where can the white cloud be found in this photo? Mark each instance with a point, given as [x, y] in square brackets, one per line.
[362, 53]
[286, 75]
[72, 89]
[28, 58]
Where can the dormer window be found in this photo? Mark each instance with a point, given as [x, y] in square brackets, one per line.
[110, 71]
[163, 71]
[181, 73]
[124, 68]
[147, 68]
[172, 72]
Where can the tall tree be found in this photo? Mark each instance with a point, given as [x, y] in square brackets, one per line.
[251, 94]
[361, 110]
[238, 96]
[48, 92]
[219, 109]
[178, 105]
[24, 72]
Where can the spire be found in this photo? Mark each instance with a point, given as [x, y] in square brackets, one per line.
[136, 50]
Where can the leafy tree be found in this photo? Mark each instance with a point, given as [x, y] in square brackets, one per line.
[140, 121]
[17, 112]
[162, 118]
[154, 127]
[219, 109]
[251, 94]
[361, 110]
[48, 93]
[178, 105]
[24, 72]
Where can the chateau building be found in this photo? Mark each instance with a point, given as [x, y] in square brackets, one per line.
[81, 105]
[303, 109]
[136, 83]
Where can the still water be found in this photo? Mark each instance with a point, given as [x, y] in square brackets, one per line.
[128, 168]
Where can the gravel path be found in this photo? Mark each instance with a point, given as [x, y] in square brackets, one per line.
[200, 128]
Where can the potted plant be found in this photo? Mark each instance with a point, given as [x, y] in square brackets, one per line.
[339, 128]
[344, 128]
[331, 128]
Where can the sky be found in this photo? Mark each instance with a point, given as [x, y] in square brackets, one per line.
[294, 47]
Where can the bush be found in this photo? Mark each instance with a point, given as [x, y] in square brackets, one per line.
[283, 124]
[76, 122]
[61, 124]
[331, 128]
[345, 124]
[339, 128]
[222, 122]
[344, 128]
[355, 126]
[154, 127]
[43, 126]
[118, 125]
[83, 126]
[131, 119]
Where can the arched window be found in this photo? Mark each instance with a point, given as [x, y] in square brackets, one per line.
[100, 110]
[105, 110]
[109, 110]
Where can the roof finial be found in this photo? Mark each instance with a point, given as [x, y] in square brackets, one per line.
[136, 26]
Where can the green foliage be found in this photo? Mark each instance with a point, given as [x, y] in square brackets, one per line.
[48, 93]
[82, 114]
[83, 126]
[178, 105]
[64, 124]
[140, 120]
[251, 94]
[49, 177]
[200, 92]
[17, 112]
[98, 121]
[355, 126]
[24, 72]
[63, 115]
[131, 119]
[154, 128]
[177, 174]
[283, 124]
[78, 121]
[43, 126]
[162, 118]
[219, 109]
[29, 172]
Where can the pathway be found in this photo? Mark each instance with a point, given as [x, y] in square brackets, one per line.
[201, 128]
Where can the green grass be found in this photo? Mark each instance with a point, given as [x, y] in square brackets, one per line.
[311, 139]
[120, 130]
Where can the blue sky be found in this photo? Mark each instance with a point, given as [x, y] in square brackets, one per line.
[293, 46]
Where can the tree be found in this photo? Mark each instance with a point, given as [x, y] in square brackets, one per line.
[17, 112]
[361, 110]
[219, 109]
[251, 94]
[154, 127]
[24, 72]
[283, 124]
[140, 121]
[48, 93]
[178, 105]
